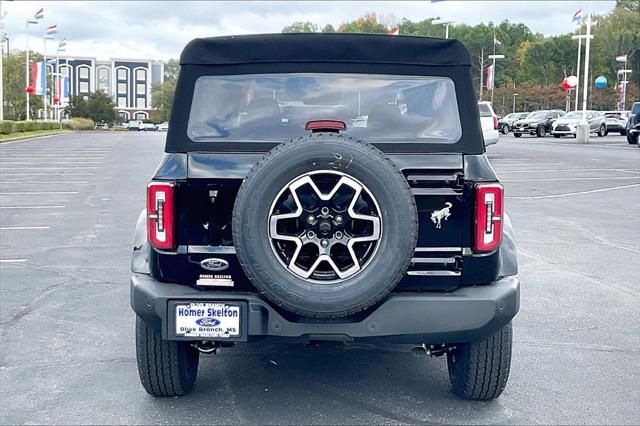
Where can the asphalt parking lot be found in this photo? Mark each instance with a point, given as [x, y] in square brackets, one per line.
[68, 207]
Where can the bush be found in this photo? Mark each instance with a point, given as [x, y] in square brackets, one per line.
[6, 127]
[79, 124]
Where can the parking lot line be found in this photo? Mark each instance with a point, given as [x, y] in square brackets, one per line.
[32, 207]
[50, 168]
[12, 260]
[39, 193]
[21, 228]
[46, 174]
[571, 178]
[71, 182]
[568, 170]
[568, 194]
[4, 161]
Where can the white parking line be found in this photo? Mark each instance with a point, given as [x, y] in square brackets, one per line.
[21, 228]
[568, 194]
[58, 182]
[45, 174]
[50, 168]
[528, 164]
[12, 260]
[32, 207]
[4, 161]
[570, 178]
[40, 193]
[568, 170]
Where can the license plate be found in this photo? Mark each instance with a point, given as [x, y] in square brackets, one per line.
[207, 319]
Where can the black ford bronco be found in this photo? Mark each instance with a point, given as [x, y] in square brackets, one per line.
[325, 187]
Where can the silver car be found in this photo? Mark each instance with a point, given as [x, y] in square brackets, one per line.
[567, 125]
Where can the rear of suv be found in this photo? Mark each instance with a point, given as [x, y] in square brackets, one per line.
[325, 187]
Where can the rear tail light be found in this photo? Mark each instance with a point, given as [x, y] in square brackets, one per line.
[488, 219]
[495, 123]
[160, 226]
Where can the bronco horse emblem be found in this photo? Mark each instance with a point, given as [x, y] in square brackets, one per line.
[438, 215]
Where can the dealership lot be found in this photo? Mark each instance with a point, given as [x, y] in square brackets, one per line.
[68, 207]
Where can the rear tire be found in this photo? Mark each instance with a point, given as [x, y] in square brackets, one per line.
[623, 132]
[517, 135]
[504, 129]
[540, 131]
[166, 368]
[556, 136]
[602, 131]
[480, 370]
[630, 139]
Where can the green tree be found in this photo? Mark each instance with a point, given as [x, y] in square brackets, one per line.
[301, 27]
[162, 98]
[77, 107]
[101, 108]
[365, 24]
[171, 70]
[13, 66]
[328, 29]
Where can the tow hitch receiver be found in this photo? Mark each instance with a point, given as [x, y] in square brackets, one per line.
[431, 350]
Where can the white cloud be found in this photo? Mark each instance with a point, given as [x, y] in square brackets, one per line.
[160, 29]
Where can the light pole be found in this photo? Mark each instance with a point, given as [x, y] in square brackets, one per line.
[514, 102]
[445, 23]
[579, 38]
[1, 54]
[582, 130]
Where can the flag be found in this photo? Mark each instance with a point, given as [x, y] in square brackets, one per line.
[39, 14]
[577, 17]
[37, 77]
[495, 40]
[51, 31]
[63, 90]
[621, 58]
[62, 43]
[490, 77]
[394, 31]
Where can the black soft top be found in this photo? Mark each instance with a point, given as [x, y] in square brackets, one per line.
[325, 47]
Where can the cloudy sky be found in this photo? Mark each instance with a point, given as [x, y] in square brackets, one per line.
[160, 29]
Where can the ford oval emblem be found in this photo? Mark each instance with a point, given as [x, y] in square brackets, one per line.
[208, 322]
[214, 264]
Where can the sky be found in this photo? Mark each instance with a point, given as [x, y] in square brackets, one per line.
[160, 29]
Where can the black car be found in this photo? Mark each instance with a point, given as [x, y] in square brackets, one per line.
[505, 124]
[537, 123]
[325, 187]
[633, 125]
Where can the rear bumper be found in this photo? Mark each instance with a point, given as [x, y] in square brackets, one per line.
[464, 315]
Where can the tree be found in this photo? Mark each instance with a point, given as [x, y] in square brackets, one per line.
[301, 27]
[328, 29]
[162, 98]
[365, 24]
[77, 107]
[13, 66]
[101, 108]
[171, 70]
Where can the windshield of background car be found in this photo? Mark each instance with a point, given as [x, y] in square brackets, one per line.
[537, 115]
[485, 111]
[573, 116]
[635, 108]
[276, 107]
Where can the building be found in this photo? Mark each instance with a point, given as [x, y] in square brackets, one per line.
[128, 81]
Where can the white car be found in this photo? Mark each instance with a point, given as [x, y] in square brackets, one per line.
[489, 121]
[163, 127]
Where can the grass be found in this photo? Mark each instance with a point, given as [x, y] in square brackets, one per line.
[26, 135]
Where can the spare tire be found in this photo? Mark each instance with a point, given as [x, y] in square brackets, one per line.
[325, 225]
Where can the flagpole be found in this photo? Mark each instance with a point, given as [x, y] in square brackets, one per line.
[481, 71]
[44, 76]
[57, 91]
[586, 68]
[26, 71]
[493, 69]
[578, 67]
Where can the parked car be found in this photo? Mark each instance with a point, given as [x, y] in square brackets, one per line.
[489, 122]
[163, 127]
[373, 235]
[633, 125]
[536, 123]
[567, 125]
[617, 121]
[505, 124]
[148, 127]
[135, 125]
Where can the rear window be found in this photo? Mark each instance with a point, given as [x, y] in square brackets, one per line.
[276, 107]
[485, 111]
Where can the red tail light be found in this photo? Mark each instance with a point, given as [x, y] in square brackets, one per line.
[488, 222]
[495, 123]
[160, 226]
